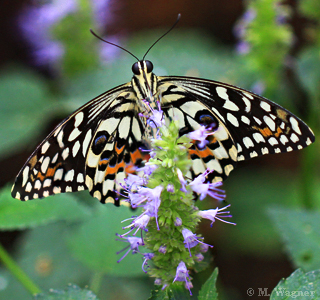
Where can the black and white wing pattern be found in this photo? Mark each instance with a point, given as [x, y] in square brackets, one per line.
[247, 125]
[90, 149]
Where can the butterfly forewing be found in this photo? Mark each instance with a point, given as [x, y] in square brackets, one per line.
[59, 163]
[248, 125]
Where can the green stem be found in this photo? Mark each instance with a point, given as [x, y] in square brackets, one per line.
[96, 282]
[18, 272]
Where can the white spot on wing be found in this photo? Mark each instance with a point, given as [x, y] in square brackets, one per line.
[47, 182]
[45, 164]
[89, 183]
[25, 175]
[107, 185]
[258, 137]
[86, 142]
[247, 142]
[55, 158]
[264, 150]
[247, 104]
[69, 175]
[271, 124]
[214, 164]
[75, 148]
[265, 106]
[253, 154]
[283, 139]
[232, 119]
[78, 118]
[45, 147]
[257, 120]
[124, 127]
[28, 187]
[65, 153]
[59, 139]
[295, 125]
[80, 178]
[272, 141]
[57, 190]
[294, 138]
[58, 174]
[245, 120]
[222, 92]
[37, 184]
[233, 153]
[74, 134]
[228, 169]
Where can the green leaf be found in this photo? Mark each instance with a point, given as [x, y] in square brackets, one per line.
[300, 232]
[94, 243]
[298, 285]
[15, 214]
[43, 255]
[24, 108]
[73, 292]
[208, 290]
[308, 73]
[173, 292]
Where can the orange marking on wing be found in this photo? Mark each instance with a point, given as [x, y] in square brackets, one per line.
[51, 171]
[205, 153]
[40, 176]
[135, 156]
[118, 150]
[130, 168]
[103, 162]
[264, 131]
[279, 131]
[114, 170]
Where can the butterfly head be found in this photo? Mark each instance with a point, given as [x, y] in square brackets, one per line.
[143, 81]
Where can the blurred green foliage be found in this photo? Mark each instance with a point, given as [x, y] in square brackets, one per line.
[71, 238]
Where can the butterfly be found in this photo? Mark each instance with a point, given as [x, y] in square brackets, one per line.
[102, 141]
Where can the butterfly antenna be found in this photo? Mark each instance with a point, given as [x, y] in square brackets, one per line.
[100, 38]
[175, 23]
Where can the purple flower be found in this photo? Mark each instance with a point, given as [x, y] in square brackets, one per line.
[190, 239]
[199, 257]
[134, 181]
[148, 169]
[133, 246]
[200, 135]
[182, 274]
[154, 117]
[182, 181]
[170, 188]
[212, 214]
[178, 222]
[243, 47]
[152, 207]
[147, 256]
[162, 249]
[140, 222]
[145, 194]
[204, 189]
[204, 248]
[35, 23]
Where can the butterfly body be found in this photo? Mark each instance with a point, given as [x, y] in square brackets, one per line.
[101, 142]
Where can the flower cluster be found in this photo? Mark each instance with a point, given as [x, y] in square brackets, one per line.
[169, 217]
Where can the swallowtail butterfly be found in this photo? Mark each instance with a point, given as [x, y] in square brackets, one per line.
[100, 142]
